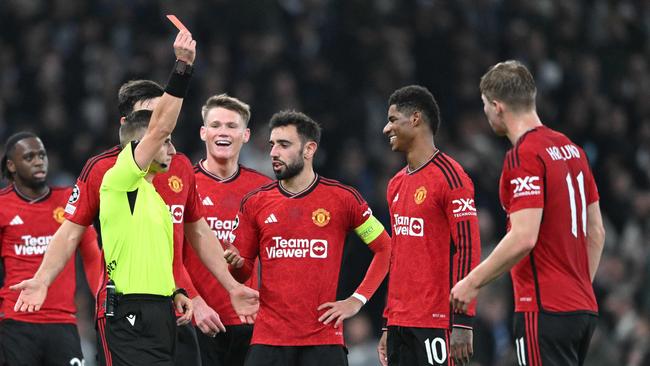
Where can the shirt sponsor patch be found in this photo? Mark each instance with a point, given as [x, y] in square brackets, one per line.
[526, 186]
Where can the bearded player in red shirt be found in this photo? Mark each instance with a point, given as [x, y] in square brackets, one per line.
[221, 183]
[435, 240]
[555, 232]
[31, 212]
[297, 226]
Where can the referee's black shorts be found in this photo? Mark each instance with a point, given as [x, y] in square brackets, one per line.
[23, 343]
[325, 355]
[553, 338]
[225, 349]
[411, 346]
[142, 332]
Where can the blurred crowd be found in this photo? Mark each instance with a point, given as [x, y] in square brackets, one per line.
[62, 62]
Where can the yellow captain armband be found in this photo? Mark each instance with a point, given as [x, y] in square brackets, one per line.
[369, 230]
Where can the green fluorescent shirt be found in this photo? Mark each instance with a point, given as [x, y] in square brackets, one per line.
[136, 229]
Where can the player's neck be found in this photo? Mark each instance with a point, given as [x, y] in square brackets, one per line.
[32, 194]
[149, 177]
[300, 182]
[420, 155]
[222, 169]
[520, 124]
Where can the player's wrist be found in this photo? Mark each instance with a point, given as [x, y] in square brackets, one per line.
[179, 79]
[357, 296]
[179, 291]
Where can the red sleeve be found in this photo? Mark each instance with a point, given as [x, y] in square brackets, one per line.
[83, 205]
[378, 267]
[193, 213]
[460, 210]
[526, 182]
[592, 189]
[91, 257]
[245, 239]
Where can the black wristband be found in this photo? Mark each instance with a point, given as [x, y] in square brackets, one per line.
[178, 83]
[179, 290]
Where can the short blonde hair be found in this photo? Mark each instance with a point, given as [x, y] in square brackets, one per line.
[510, 82]
[227, 102]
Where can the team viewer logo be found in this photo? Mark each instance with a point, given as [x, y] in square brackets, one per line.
[420, 195]
[408, 226]
[320, 217]
[57, 214]
[296, 248]
[175, 183]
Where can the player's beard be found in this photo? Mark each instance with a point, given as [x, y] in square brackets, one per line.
[290, 170]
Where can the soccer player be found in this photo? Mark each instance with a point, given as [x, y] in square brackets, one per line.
[31, 213]
[555, 233]
[435, 240]
[221, 183]
[174, 186]
[297, 226]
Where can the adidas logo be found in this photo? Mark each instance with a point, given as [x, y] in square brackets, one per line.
[16, 221]
[396, 197]
[207, 201]
[271, 219]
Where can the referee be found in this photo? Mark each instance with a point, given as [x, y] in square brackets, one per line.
[137, 234]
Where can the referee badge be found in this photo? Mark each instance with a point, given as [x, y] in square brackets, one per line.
[420, 195]
[320, 217]
[58, 214]
[175, 183]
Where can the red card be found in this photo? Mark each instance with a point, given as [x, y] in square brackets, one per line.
[172, 18]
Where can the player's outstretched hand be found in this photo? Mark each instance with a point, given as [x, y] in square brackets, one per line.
[462, 294]
[339, 310]
[184, 306]
[206, 318]
[232, 257]
[461, 345]
[32, 295]
[185, 47]
[246, 303]
[382, 349]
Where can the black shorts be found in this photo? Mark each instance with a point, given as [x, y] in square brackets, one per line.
[409, 346]
[553, 339]
[326, 355]
[142, 332]
[226, 349]
[38, 344]
[187, 346]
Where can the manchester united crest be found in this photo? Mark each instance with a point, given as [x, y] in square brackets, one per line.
[175, 183]
[420, 195]
[58, 214]
[320, 217]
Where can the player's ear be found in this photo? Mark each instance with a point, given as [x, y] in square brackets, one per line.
[416, 118]
[203, 133]
[310, 149]
[11, 167]
[122, 120]
[247, 135]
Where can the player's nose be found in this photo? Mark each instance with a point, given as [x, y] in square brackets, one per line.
[387, 128]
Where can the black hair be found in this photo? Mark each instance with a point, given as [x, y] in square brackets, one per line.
[134, 91]
[10, 144]
[417, 98]
[308, 129]
[133, 123]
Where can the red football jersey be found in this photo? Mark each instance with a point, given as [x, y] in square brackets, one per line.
[546, 170]
[26, 229]
[177, 188]
[435, 243]
[299, 239]
[221, 199]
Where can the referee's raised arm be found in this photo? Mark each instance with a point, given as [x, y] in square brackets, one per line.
[165, 115]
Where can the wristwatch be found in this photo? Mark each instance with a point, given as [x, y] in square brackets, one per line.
[183, 68]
